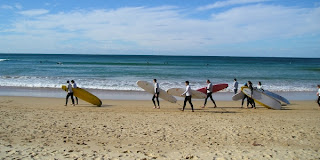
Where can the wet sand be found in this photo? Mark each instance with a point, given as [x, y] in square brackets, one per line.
[43, 128]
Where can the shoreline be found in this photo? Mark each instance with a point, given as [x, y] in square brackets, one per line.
[130, 95]
[43, 128]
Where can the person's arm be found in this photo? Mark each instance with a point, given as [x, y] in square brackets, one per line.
[185, 91]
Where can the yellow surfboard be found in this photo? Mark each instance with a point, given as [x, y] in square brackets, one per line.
[84, 95]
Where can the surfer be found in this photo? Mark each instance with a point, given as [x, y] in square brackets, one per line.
[209, 94]
[235, 86]
[318, 94]
[244, 97]
[187, 94]
[156, 93]
[259, 86]
[70, 93]
[74, 85]
[250, 99]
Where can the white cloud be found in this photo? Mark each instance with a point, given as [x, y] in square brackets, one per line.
[6, 7]
[157, 30]
[226, 3]
[34, 12]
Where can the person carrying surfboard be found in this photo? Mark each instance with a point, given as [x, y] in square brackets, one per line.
[69, 94]
[244, 97]
[74, 85]
[156, 94]
[235, 86]
[187, 94]
[209, 94]
[250, 99]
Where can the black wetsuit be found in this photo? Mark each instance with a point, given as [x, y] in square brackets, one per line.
[209, 95]
[250, 100]
[187, 98]
[157, 97]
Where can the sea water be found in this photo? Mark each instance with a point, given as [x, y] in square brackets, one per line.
[120, 72]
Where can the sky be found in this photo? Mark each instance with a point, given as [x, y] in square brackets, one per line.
[263, 28]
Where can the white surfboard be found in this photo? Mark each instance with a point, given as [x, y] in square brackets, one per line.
[149, 87]
[238, 96]
[261, 98]
[178, 91]
[276, 96]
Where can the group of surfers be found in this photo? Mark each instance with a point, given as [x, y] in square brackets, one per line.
[187, 94]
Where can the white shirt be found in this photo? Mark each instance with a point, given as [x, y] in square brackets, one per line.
[259, 87]
[235, 85]
[156, 87]
[319, 92]
[209, 88]
[70, 88]
[188, 91]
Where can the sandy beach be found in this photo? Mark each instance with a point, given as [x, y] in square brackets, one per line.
[43, 128]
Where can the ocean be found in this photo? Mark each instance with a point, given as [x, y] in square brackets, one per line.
[120, 72]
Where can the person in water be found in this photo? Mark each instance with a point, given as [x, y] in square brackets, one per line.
[235, 86]
[209, 94]
[318, 94]
[187, 94]
[250, 98]
[156, 94]
[69, 94]
[74, 85]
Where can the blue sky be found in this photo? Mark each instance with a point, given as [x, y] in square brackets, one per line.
[288, 28]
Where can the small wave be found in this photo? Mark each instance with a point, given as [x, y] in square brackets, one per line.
[1, 60]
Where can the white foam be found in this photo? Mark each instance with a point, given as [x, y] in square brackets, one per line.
[129, 85]
[1, 60]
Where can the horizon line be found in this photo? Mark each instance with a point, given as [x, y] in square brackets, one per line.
[157, 55]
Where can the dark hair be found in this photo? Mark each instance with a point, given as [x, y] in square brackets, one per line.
[155, 80]
[187, 82]
[67, 81]
[250, 83]
[235, 79]
[72, 81]
[208, 80]
[319, 85]
[259, 83]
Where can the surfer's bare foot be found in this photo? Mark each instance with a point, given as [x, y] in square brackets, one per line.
[158, 107]
[192, 110]
[154, 107]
